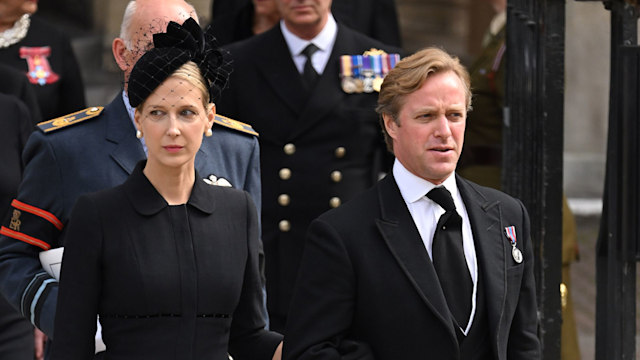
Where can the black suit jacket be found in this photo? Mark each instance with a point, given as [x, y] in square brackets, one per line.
[368, 290]
[266, 90]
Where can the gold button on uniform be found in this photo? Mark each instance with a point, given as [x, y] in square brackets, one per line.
[336, 176]
[284, 225]
[334, 202]
[289, 149]
[285, 174]
[340, 152]
[284, 199]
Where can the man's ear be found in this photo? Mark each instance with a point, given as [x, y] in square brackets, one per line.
[390, 125]
[119, 49]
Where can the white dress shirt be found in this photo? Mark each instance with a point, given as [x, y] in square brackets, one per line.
[131, 111]
[426, 213]
[324, 41]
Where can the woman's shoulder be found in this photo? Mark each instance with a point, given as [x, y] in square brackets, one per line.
[110, 197]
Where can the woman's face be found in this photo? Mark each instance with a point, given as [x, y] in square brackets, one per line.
[12, 10]
[173, 120]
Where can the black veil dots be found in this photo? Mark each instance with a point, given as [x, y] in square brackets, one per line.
[174, 48]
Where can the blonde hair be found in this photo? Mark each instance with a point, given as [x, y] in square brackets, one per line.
[190, 72]
[409, 75]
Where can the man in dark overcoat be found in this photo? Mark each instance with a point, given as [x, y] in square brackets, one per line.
[425, 265]
[319, 144]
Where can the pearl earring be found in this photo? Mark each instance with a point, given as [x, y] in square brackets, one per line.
[139, 134]
[208, 133]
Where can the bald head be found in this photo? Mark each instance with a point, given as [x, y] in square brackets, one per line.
[142, 19]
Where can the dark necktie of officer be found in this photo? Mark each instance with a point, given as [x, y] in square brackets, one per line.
[309, 74]
[448, 258]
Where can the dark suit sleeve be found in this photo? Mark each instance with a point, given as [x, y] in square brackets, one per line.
[248, 339]
[523, 340]
[22, 280]
[323, 302]
[80, 283]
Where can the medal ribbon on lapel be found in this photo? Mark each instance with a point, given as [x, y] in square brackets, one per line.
[510, 231]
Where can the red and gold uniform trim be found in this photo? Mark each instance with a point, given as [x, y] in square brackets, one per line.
[30, 224]
[23, 237]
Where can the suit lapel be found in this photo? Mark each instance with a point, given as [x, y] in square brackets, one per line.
[401, 235]
[491, 247]
[328, 93]
[273, 58]
[120, 131]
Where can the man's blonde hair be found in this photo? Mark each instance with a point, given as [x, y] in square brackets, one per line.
[409, 75]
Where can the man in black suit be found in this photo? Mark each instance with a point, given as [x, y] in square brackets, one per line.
[379, 281]
[319, 145]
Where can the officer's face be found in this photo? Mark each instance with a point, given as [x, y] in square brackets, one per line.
[12, 10]
[305, 14]
[428, 141]
[173, 120]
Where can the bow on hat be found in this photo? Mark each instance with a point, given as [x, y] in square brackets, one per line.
[180, 44]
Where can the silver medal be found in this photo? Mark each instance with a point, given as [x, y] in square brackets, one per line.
[517, 254]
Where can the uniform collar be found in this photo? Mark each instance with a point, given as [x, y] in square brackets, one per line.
[324, 40]
[148, 201]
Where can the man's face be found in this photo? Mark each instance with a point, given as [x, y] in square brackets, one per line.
[428, 139]
[305, 13]
[151, 18]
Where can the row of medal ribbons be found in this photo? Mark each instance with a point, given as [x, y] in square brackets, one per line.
[364, 73]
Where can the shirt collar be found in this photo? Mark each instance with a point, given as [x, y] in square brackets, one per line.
[414, 188]
[497, 23]
[324, 40]
[130, 110]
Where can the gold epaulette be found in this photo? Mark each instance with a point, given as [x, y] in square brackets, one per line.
[234, 124]
[74, 118]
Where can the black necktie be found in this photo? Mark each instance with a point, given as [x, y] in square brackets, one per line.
[448, 258]
[309, 74]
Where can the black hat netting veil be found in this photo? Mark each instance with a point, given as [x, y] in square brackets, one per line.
[179, 45]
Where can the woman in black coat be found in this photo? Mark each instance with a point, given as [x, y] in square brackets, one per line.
[167, 261]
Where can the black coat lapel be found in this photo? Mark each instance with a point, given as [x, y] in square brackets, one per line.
[120, 131]
[491, 247]
[402, 237]
[273, 58]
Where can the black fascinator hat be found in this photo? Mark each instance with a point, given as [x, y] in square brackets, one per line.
[179, 45]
